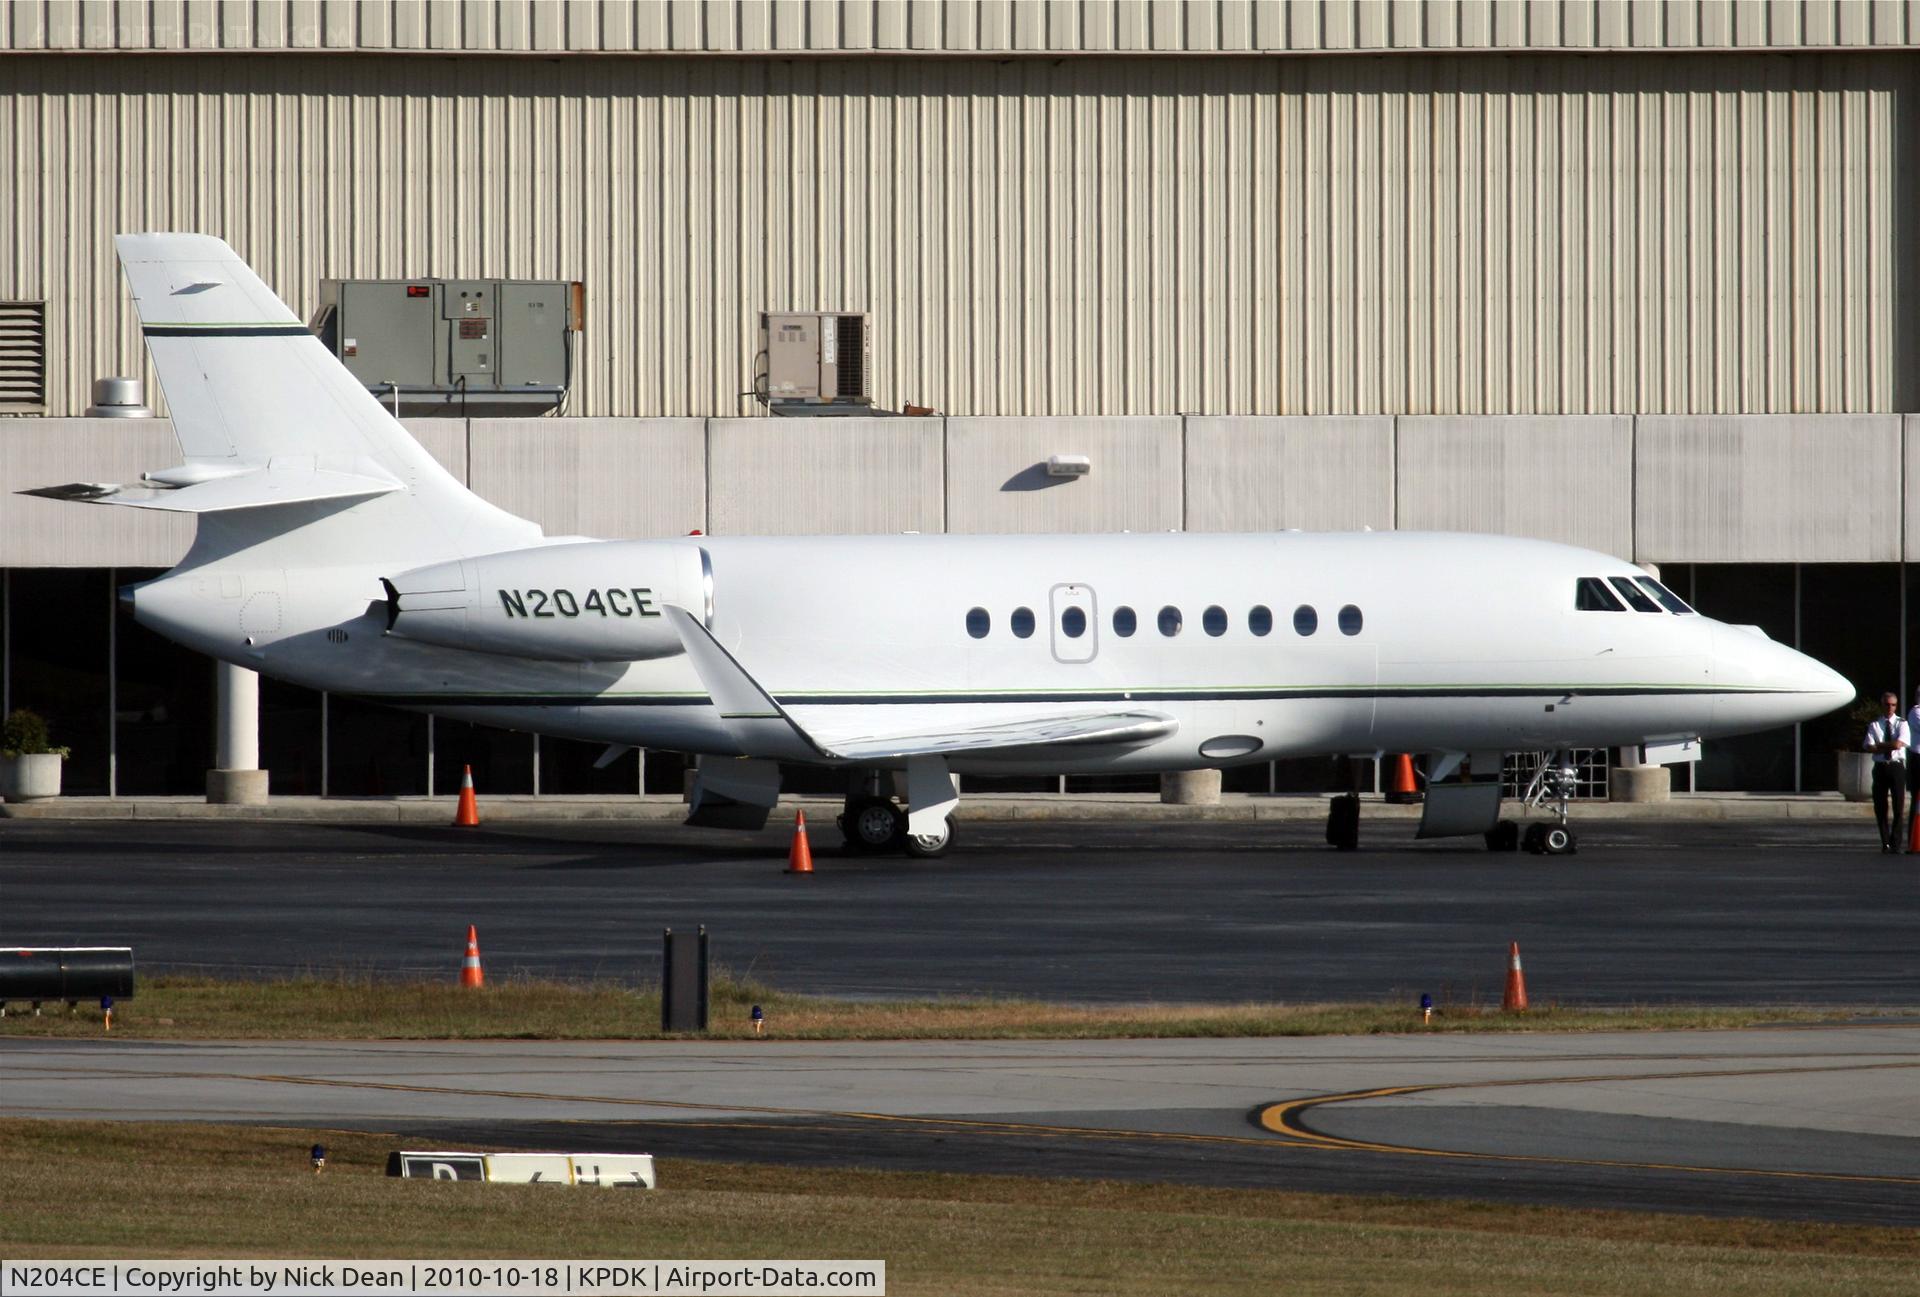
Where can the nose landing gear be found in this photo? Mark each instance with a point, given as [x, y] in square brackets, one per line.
[1553, 781]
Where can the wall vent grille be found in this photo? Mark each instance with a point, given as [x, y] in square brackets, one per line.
[23, 357]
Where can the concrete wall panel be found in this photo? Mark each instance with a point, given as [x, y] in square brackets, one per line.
[54, 533]
[611, 479]
[997, 477]
[793, 477]
[1767, 490]
[1253, 474]
[1564, 479]
[1910, 441]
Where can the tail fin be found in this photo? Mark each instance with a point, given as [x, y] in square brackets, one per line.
[250, 388]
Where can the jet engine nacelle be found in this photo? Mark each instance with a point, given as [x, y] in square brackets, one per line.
[597, 601]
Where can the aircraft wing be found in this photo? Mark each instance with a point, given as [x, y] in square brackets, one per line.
[763, 728]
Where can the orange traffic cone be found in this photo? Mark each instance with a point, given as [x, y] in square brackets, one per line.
[800, 855]
[1515, 1000]
[470, 971]
[467, 816]
[1402, 788]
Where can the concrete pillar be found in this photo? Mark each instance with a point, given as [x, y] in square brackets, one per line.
[1637, 783]
[236, 778]
[1190, 787]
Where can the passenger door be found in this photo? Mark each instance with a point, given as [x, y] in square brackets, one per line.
[1076, 634]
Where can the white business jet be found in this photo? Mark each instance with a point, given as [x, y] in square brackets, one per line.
[334, 552]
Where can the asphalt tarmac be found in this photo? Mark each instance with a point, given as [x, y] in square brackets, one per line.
[1797, 1123]
[1791, 1123]
[1647, 912]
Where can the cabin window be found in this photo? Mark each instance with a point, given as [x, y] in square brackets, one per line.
[1633, 594]
[1592, 595]
[1073, 623]
[1305, 620]
[1260, 620]
[1214, 621]
[1021, 623]
[1124, 622]
[978, 623]
[1350, 621]
[1668, 599]
[1169, 621]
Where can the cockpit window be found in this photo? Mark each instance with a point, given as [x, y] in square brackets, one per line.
[1592, 595]
[1668, 599]
[1632, 594]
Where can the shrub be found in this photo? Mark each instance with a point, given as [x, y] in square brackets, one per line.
[25, 735]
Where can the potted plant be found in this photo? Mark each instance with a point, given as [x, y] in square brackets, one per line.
[29, 763]
[1856, 767]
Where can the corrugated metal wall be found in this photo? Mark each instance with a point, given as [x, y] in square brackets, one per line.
[1009, 26]
[1556, 234]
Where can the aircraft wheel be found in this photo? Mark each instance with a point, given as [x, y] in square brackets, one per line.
[931, 846]
[1504, 836]
[1558, 840]
[873, 824]
[1530, 841]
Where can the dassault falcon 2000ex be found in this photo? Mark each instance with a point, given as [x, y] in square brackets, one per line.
[334, 552]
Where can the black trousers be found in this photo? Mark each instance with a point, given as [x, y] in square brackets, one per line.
[1889, 799]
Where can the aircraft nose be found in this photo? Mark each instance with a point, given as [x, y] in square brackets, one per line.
[1763, 683]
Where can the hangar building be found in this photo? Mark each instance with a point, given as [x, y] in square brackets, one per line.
[1637, 276]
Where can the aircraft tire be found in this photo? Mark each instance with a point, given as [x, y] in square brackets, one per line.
[873, 824]
[1532, 842]
[921, 847]
[1558, 841]
[1504, 836]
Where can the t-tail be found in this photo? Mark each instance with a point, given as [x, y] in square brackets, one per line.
[281, 446]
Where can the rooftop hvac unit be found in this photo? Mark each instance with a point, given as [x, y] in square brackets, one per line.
[457, 347]
[817, 362]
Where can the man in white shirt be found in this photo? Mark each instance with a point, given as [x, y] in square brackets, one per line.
[1887, 738]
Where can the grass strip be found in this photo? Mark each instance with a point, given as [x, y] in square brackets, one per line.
[352, 1007]
[84, 1189]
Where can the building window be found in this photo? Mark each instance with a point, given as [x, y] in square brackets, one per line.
[978, 623]
[1021, 622]
[1169, 621]
[1073, 623]
[1260, 620]
[1305, 620]
[1124, 622]
[1350, 620]
[23, 357]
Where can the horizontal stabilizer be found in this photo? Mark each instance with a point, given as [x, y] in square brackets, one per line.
[256, 489]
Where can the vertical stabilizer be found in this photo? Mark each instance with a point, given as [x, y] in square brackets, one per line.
[249, 386]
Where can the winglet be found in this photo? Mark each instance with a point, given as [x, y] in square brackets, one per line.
[758, 724]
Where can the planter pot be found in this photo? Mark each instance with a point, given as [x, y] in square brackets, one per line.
[1856, 776]
[25, 778]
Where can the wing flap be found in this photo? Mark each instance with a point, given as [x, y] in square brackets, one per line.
[1104, 729]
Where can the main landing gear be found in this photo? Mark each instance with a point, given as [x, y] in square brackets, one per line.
[873, 824]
